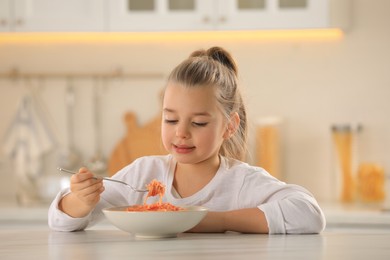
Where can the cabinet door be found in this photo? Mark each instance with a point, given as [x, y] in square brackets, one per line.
[160, 15]
[58, 15]
[5, 15]
[272, 14]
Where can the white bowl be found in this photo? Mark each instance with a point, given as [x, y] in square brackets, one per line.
[155, 224]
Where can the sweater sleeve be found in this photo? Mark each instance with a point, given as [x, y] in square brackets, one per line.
[296, 213]
[60, 221]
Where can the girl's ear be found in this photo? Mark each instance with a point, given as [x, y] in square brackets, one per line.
[232, 126]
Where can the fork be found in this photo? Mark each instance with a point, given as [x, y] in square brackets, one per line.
[106, 179]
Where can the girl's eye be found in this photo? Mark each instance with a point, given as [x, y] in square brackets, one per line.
[199, 124]
[170, 121]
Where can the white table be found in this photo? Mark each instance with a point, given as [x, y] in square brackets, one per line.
[34, 240]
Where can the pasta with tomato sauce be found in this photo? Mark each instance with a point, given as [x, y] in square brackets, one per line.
[155, 188]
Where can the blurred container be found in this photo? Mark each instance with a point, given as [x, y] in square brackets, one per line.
[360, 179]
[268, 144]
[371, 183]
[345, 143]
[386, 203]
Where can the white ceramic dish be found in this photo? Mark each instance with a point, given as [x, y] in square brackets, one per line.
[155, 224]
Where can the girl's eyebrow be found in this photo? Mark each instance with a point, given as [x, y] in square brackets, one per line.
[195, 114]
[168, 110]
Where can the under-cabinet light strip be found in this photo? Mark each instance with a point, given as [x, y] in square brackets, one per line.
[150, 37]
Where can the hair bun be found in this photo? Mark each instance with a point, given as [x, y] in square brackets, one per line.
[218, 54]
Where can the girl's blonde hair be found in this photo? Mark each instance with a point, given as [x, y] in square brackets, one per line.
[216, 68]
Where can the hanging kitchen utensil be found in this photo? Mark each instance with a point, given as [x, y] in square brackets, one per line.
[70, 157]
[98, 163]
[47, 183]
[26, 142]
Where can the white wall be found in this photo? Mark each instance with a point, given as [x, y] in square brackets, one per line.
[311, 84]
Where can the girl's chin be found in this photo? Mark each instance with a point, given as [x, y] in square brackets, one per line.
[191, 159]
[185, 158]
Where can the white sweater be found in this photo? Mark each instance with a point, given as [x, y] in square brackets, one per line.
[288, 208]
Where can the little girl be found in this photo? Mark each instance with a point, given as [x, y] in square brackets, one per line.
[204, 129]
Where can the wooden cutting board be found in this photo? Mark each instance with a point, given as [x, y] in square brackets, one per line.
[139, 141]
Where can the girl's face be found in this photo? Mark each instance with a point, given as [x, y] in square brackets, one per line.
[193, 128]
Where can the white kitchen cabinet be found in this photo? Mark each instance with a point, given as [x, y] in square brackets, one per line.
[160, 15]
[190, 15]
[5, 15]
[272, 14]
[51, 15]
[165, 15]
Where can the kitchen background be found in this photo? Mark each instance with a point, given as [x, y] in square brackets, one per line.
[310, 83]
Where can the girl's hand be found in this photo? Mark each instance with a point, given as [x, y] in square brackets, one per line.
[85, 194]
[213, 222]
[249, 220]
[86, 188]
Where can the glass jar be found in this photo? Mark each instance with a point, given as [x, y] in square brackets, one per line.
[360, 179]
[345, 144]
[371, 183]
[268, 145]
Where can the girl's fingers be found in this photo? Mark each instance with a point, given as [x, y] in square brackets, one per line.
[86, 186]
[93, 197]
[81, 176]
[90, 194]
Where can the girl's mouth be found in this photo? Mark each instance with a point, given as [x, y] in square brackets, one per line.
[183, 148]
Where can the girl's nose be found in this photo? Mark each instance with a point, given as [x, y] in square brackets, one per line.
[182, 131]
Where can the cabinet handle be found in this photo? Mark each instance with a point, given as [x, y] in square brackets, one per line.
[3, 22]
[19, 22]
[222, 19]
[206, 19]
